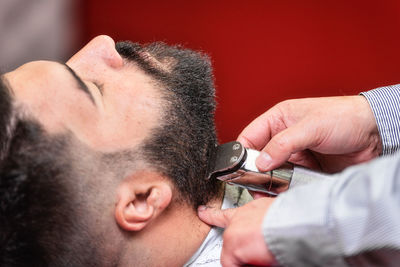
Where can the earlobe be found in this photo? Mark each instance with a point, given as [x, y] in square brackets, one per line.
[140, 203]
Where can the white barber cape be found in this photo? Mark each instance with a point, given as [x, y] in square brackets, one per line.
[209, 253]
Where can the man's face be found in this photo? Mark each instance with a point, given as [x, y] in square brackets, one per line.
[105, 101]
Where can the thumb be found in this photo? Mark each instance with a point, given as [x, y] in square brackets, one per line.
[283, 145]
[215, 216]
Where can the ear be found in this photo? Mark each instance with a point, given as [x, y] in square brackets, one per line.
[141, 198]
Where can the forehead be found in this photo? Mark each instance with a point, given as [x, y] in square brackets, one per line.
[124, 114]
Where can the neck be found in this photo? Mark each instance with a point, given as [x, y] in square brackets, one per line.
[171, 239]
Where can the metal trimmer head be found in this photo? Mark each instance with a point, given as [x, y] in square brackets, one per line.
[235, 164]
[226, 159]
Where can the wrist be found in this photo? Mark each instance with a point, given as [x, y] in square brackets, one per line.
[384, 102]
[369, 122]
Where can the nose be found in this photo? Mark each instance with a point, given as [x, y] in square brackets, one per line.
[99, 51]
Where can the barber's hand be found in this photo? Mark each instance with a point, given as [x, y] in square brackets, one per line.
[243, 238]
[328, 134]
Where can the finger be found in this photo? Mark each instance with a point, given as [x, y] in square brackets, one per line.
[227, 259]
[217, 217]
[291, 140]
[306, 159]
[257, 195]
[257, 134]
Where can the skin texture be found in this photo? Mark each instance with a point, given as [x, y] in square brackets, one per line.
[327, 134]
[243, 239]
[139, 215]
[50, 93]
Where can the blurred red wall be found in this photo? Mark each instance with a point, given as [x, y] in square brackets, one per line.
[266, 51]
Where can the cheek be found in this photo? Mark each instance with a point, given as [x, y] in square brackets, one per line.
[125, 125]
[74, 114]
[56, 109]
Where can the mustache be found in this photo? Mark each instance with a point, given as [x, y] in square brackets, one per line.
[146, 57]
[129, 50]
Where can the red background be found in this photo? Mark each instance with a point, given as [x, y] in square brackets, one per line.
[266, 51]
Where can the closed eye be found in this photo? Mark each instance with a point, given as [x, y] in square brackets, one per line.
[81, 85]
[100, 87]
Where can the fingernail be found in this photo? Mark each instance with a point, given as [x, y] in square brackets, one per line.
[264, 160]
[202, 208]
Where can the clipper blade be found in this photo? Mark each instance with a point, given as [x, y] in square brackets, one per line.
[225, 159]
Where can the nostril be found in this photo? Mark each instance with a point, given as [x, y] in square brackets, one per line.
[100, 50]
[115, 60]
[105, 46]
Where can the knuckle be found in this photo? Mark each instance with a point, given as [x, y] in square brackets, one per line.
[284, 105]
[281, 142]
[226, 216]
[227, 236]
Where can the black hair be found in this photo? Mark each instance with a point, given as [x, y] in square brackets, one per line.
[181, 146]
[39, 217]
[43, 219]
[6, 117]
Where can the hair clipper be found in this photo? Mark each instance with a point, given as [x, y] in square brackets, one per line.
[235, 164]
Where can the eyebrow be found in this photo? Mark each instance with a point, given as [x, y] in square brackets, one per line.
[81, 85]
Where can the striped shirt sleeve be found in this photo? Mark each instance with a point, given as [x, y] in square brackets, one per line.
[350, 220]
[385, 104]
